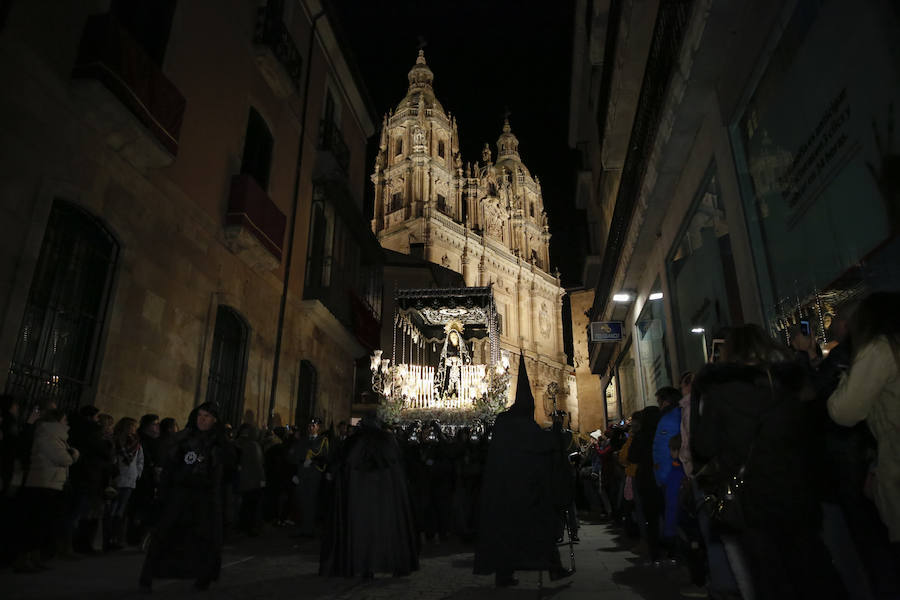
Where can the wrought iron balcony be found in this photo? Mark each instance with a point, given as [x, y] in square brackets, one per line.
[331, 140]
[254, 225]
[124, 94]
[277, 55]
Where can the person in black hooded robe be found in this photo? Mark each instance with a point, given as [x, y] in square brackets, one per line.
[186, 542]
[517, 528]
[372, 525]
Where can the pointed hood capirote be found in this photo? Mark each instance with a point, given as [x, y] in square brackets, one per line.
[524, 404]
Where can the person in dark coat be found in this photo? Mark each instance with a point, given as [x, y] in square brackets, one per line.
[647, 495]
[88, 478]
[372, 526]
[251, 479]
[143, 506]
[752, 411]
[186, 542]
[310, 454]
[517, 527]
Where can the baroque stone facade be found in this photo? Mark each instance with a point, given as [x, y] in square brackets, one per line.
[483, 219]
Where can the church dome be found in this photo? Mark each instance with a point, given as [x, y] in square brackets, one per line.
[420, 92]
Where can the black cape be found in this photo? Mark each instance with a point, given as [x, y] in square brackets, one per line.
[187, 540]
[518, 523]
[372, 527]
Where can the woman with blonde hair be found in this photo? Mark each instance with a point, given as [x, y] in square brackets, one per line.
[130, 463]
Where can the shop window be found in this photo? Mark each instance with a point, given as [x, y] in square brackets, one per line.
[613, 408]
[650, 333]
[257, 149]
[702, 277]
[306, 394]
[228, 364]
[816, 167]
[56, 352]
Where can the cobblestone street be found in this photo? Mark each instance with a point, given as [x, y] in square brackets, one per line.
[275, 565]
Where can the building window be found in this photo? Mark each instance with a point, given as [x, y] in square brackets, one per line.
[442, 204]
[398, 147]
[306, 395]
[441, 148]
[532, 209]
[321, 246]
[228, 364]
[396, 202]
[148, 21]
[56, 351]
[257, 150]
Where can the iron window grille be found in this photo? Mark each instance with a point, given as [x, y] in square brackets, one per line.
[57, 348]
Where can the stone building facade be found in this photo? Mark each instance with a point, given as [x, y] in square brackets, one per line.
[484, 219]
[166, 168]
[731, 172]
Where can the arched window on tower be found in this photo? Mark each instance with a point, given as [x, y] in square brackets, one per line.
[532, 210]
[398, 147]
[441, 148]
[57, 349]
[228, 364]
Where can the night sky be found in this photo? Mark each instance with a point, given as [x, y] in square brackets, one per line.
[488, 56]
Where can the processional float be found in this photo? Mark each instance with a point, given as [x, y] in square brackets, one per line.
[445, 361]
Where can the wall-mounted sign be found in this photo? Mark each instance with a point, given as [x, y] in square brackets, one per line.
[606, 331]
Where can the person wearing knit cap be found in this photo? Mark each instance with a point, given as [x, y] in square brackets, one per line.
[187, 540]
[517, 528]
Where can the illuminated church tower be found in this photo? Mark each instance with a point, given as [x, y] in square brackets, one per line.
[483, 219]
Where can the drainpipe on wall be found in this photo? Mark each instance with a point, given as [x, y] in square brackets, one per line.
[279, 331]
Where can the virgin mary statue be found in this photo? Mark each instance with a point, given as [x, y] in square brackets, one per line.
[454, 355]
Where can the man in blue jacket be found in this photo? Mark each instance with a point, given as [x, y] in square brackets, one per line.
[669, 426]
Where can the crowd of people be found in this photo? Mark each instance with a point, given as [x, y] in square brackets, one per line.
[771, 473]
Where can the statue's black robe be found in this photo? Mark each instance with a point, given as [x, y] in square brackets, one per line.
[372, 527]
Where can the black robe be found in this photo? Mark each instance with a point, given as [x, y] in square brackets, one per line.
[187, 540]
[518, 522]
[372, 526]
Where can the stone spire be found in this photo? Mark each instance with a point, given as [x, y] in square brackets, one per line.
[420, 76]
[508, 143]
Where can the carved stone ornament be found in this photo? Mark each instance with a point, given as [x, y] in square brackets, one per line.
[418, 137]
[544, 321]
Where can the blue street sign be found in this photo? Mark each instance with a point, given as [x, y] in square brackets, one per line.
[606, 331]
